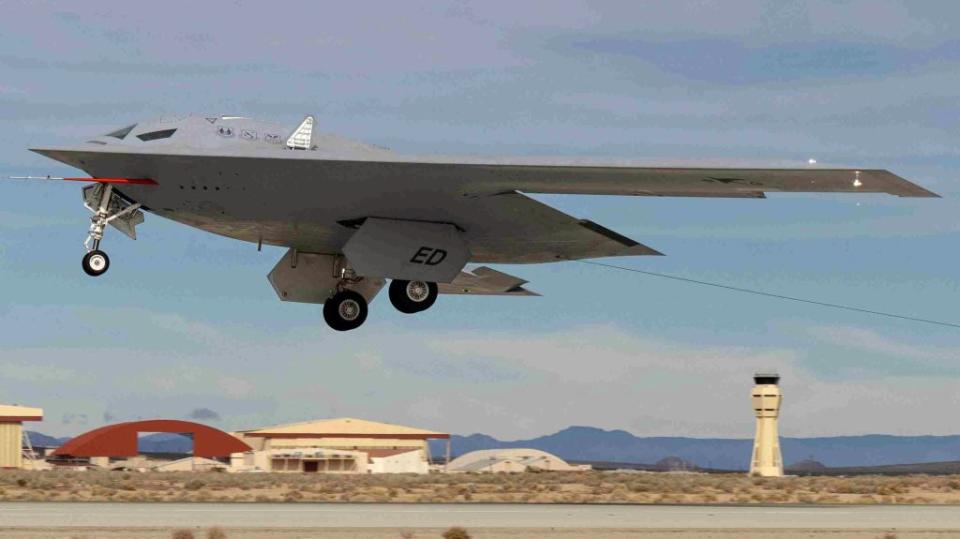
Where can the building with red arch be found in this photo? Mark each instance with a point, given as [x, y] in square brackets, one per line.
[120, 440]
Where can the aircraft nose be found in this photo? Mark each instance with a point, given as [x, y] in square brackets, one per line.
[69, 156]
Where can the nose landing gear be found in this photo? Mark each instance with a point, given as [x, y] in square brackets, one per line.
[96, 263]
[109, 207]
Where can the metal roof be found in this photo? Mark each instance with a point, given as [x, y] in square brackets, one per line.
[120, 439]
[12, 412]
[343, 427]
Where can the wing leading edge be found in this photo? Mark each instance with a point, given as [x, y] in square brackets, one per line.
[691, 182]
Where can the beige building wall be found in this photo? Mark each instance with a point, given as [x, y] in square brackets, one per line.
[315, 460]
[12, 417]
[11, 442]
[314, 446]
[767, 460]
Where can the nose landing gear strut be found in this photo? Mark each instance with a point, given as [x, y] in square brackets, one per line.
[109, 207]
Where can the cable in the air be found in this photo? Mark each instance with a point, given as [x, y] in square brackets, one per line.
[775, 296]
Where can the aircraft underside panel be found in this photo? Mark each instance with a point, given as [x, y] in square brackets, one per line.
[503, 229]
[409, 250]
[484, 281]
[313, 278]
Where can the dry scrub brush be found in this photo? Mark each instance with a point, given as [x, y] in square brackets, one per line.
[545, 487]
[456, 532]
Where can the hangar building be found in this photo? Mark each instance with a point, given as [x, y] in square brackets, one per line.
[11, 432]
[342, 445]
[120, 440]
[511, 461]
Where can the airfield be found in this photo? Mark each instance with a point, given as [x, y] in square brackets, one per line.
[355, 521]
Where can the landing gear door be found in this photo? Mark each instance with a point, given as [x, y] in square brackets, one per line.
[125, 222]
[312, 278]
[409, 250]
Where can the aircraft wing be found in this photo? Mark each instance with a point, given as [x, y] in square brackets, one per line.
[720, 182]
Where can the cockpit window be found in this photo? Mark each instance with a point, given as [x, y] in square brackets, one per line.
[154, 135]
[121, 133]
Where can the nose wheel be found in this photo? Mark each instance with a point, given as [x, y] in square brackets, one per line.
[412, 296]
[96, 263]
[345, 310]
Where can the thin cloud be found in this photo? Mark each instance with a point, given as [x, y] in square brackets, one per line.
[204, 414]
[870, 341]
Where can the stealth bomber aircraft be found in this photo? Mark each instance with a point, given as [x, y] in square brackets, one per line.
[353, 215]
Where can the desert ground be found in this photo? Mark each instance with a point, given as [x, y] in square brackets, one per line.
[199, 520]
[545, 487]
[483, 533]
[649, 489]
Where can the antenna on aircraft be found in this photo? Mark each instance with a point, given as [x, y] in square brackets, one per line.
[302, 136]
[130, 181]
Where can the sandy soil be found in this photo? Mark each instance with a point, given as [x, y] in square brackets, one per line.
[549, 487]
[428, 533]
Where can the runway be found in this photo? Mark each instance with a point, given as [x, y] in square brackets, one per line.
[348, 515]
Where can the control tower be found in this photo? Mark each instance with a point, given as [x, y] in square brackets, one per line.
[766, 398]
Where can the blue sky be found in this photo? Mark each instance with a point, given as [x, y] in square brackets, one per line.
[186, 320]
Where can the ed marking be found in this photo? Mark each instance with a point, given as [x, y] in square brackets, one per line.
[429, 256]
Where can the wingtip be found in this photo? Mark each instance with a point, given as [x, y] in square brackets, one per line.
[640, 250]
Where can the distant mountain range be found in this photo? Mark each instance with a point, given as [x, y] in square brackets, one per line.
[590, 444]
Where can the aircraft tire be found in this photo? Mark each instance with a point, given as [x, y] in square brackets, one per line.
[345, 310]
[96, 263]
[409, 297]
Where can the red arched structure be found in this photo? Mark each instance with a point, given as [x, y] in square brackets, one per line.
[120, 440]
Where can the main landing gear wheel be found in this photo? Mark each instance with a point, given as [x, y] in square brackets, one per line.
[345, 310]
[412, 296]
[96, 263]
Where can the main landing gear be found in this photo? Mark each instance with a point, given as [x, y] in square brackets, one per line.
[96, 262]
[412, 296]
[347, 309]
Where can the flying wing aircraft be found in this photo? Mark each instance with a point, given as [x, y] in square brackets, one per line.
[353, 215]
